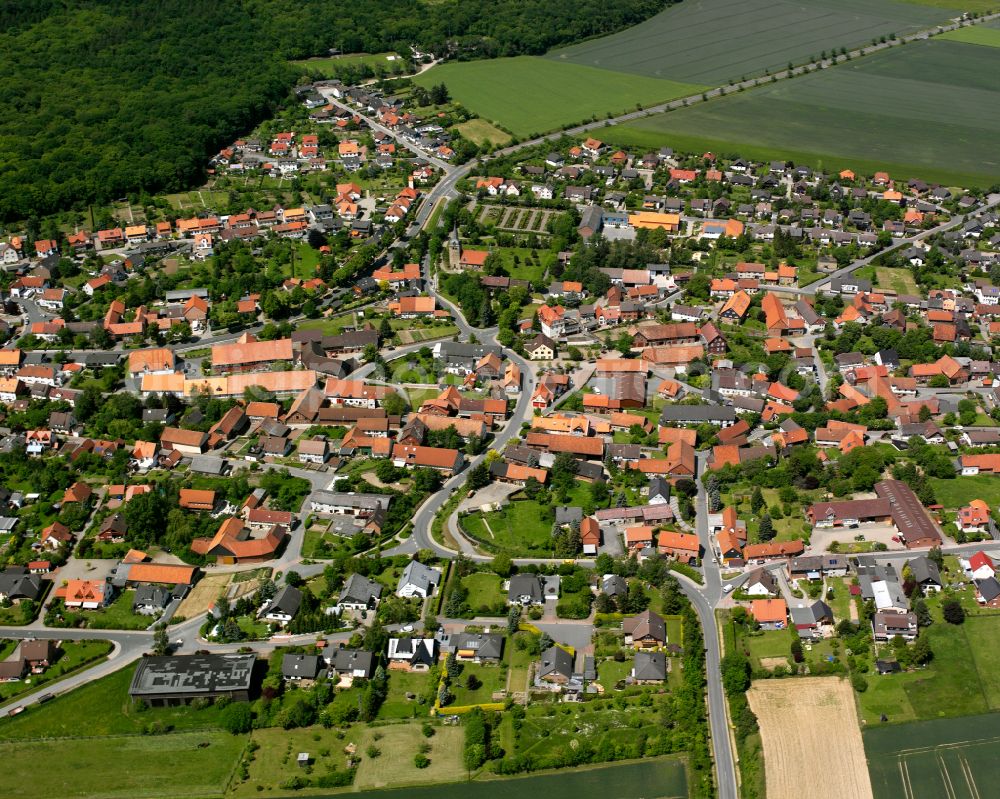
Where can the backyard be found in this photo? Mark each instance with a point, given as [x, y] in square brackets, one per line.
[401, 683]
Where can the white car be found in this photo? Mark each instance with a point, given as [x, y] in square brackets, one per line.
[727, 588]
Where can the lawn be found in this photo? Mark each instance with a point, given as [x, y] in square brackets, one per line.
[519, 527]
[896, 278]
[414, 334]
[480, 131]
[959, 492]
[118, 615]
[398, 744]
[187, 764]
[529, 95]
[515, 262]
[520, 664]
[401, 683]
[936, 96]
[610, 672]
[330, 326]
[769, 644]
[492, 678]
[485, 590]
[101, 708]
[711, 41]
[73, 655]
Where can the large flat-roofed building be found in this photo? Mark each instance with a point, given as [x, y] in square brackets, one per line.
[169, 680]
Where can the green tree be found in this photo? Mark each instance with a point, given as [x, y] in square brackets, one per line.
[766, 529]
[953, 611]
[756, 500]
[237, 718]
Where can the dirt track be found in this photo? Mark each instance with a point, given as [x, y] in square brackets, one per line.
[809, 727]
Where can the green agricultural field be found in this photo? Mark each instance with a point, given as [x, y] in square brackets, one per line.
[947, 758]
[929, 109]
[529, 95]
[131, 767]
[979, 34]
[959, 492]
[712, 41]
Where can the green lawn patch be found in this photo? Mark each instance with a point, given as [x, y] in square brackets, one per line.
[480, 131]
[132, 767]
[610, 672]
[529, 95]
[523, 526]
[492, 679]
[401, 683]
[959, 492]
[118, 615]
[940, 95]
[714, 40]
[485, 590]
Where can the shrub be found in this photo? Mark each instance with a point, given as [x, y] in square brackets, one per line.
[421, 760]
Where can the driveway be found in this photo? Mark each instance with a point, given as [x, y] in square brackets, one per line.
[494, 493]
[576, 634]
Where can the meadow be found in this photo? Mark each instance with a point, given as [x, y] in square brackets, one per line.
[927, 110]
[952, 758]
[328, 67]
[713, 41]
[131, 767]
[528, 95]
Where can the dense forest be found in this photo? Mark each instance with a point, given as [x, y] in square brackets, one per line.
[107, 97]
[112, 96]
[478, 28]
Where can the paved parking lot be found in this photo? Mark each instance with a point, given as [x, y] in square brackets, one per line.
[822, 537]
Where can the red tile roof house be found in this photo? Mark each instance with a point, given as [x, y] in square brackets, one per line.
[771, 614]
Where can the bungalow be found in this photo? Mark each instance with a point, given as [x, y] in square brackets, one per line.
[645, 631]
[649, 668]
[771, 614]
